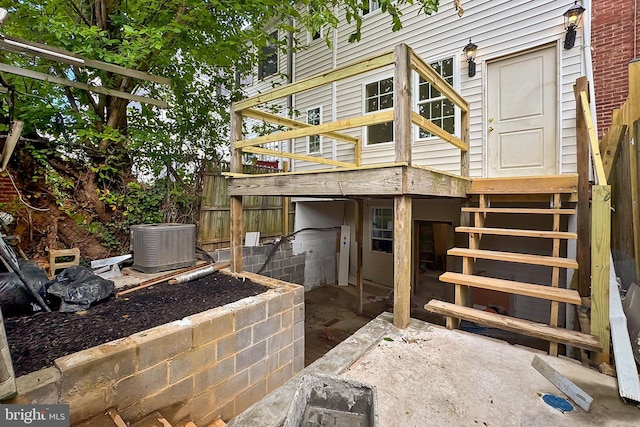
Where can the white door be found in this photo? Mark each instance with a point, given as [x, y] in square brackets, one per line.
[522, 114]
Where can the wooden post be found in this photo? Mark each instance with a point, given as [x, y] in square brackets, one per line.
[635, 193]
[600, 264]
[236, 201]
[402, 266]
[582, 150]
[402, 103]
[286, 202]
[464, 155]
[359, 216]
[555, 272]
[358, 152]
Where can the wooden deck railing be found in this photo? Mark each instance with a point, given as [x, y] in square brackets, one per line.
[405, 61]
[599, 236]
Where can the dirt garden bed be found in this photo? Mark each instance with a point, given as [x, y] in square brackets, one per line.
[36, 341]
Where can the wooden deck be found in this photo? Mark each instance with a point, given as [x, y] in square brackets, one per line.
[391, 180]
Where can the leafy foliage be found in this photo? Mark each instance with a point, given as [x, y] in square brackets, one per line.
[200, 45]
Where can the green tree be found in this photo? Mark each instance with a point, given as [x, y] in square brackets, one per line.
[93, 146]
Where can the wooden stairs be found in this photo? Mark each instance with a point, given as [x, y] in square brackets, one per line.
[520, 194]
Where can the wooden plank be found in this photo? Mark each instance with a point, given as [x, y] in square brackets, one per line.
[513, 324]
[508, 286]
[518, 232]
[626, 369]
[609, 147]
[286, 203]
[514, 257]
[236, 234]
[635, 193]
[426, 125]
[564, 384]
[294, 124]
[402, 261]
[39, 49]
[374, 62]
[429, 74]
[389, 181]
[600, 250]
[527, 198]
[421, 181]
[521, 211]
[316, 171]
[552, 184]
[294, 156]
[353, 122]
[555, 273]
[465, 118]
[402, 104]
[116, 418]
[8, 387]
[160, 279]
[79, 85]
[601, 177]
[10, 143]
[583, 167]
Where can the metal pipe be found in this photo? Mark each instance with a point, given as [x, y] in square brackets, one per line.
[193, 275]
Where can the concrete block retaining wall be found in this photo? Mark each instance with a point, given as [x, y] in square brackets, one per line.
[283, 265]
[214, 363]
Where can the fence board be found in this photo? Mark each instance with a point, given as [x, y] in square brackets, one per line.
[260, 213]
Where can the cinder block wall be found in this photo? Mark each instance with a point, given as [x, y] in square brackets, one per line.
[283, 264]
[215, 363]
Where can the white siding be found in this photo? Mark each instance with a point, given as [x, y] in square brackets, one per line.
[499, 28]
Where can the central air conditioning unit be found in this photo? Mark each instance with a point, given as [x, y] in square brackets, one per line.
[161, 247]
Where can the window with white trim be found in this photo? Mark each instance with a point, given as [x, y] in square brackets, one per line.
[373, 6]
[378, 96]
[382, 230]
[433, 105]
[268, 65]
[314, 142]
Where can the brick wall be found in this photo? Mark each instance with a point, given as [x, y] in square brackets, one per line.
[612, 40]
[283, 265]
[211, 364]
[7, 192]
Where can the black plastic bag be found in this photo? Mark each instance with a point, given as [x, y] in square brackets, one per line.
[78, 288]
[15, 298]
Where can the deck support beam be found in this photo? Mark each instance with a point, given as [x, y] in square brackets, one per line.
[235, 237]
[359, 216]
[600, 265]
[402, 266]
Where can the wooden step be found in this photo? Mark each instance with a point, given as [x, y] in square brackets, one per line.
[553, 184]
[507, 323]
[515, 257]
[518, 233]
[520, 288]
[521, 211]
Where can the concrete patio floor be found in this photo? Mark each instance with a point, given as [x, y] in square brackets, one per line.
[427, 375]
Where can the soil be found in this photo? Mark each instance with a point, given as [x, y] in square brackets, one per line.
[36, 341]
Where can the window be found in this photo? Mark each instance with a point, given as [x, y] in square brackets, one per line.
[268, 65]
[378, 96]
[314, 117]
[382, 230]
[373, 6]
[434, 106]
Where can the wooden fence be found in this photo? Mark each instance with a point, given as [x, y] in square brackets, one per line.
[260, 213]
[621, 155]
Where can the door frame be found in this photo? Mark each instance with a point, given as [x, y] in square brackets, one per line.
[555, 43]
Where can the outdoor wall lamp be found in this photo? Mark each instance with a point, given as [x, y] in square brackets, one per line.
[572, 18]
[470, 52]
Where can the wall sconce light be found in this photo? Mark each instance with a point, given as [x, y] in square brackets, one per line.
[572, 18]
[470, 52]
